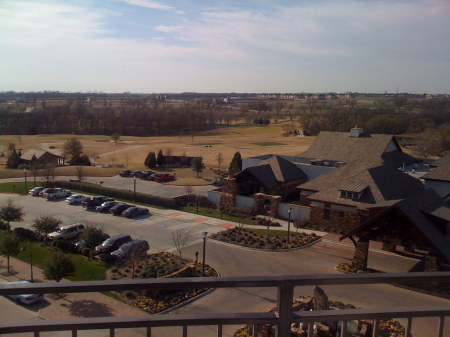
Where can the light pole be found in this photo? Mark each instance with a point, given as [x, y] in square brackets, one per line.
[25, 174]
[204, 236]
[134, 189]
[289, 225]
[31, 263]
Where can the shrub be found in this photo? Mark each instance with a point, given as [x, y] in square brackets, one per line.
[114, 270]
[65, 246]
[86, 251]
[25, 234]
[107, 258]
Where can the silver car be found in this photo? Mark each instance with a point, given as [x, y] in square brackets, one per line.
[67, 233]
[26, 299]
[135, 248]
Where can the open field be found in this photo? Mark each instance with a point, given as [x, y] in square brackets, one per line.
[131, 151]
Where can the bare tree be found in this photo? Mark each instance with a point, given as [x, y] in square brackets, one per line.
[80, 173]
[48, 173]
[134, 258]
[188, 189]
[219, 159]
[180, 238]
[115, 137]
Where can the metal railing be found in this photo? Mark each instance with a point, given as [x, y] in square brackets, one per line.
[283, 317]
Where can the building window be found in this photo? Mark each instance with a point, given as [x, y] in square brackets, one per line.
[326, 214]
[341, 214]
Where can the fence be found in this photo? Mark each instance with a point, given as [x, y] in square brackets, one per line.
[282, 317]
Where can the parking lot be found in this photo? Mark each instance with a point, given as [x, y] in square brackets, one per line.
[156, 228]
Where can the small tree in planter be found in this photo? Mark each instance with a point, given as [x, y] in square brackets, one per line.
[9, 245]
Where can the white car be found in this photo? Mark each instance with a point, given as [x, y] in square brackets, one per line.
[75, 199]
[35, 191]
[25, 298]
[67, 232]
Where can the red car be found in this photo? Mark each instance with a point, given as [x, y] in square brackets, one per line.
[160, 178]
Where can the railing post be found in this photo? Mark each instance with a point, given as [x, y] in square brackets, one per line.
[149, 331]
[408, 327]
[74, 333]
[112, 332]
[344, 329]
[284, 309]
[376, 327]
[36, 334]
[219, 330]
[255, 330]
[185, 330]
[441, 326]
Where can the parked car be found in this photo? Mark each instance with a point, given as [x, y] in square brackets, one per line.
[75, 199]
[26, 299]
[56, 193]
[163, 177]
[106, 206]
[119, 208]
[135, 211]
[125, 173]
[45, 190]
[137, 248]
[67, 232]
[136, 174]
[113, 243]
[35, 191]
[146, 175]
[91, 203]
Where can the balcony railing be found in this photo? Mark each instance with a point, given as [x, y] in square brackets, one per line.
[283, 317]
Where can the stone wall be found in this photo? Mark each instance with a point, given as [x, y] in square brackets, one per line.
[361, 254]
[260, 204]
[341, 222]
[229, 191]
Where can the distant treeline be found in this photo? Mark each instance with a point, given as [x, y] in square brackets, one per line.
[138, 118]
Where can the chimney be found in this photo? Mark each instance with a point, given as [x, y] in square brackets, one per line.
[356, 132]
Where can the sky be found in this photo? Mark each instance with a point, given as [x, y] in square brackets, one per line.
[284, 46]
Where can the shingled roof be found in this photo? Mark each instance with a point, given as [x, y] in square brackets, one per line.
[442, 170]
[339, 146]
[274, 170]
[28, 155]
[420, 208]
[383, 183]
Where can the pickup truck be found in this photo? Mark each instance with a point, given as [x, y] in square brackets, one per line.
[160, 178]
[92, 203]
[56, 193]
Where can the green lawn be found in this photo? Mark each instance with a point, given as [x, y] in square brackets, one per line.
[214, 213]
[18, 187]
[268, 144]
[84, 270]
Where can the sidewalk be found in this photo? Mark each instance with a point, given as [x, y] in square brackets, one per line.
[73, 305]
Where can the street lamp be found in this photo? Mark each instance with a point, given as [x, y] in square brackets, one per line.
[204, 236]
[289, 225]
[134, 189]
[25, 174]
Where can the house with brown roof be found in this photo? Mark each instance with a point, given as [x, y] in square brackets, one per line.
[41, 158]
[439, 178]
[420, 222]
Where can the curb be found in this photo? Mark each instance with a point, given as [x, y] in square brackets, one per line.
[269, 250]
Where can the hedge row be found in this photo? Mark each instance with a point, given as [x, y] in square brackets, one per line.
[118, 194]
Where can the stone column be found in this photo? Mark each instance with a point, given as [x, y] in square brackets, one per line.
[361, 254]
[431, 263]
[389, 246]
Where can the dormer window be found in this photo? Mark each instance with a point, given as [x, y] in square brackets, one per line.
[352, 191]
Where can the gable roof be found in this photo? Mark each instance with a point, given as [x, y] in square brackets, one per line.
[442, 170]
[28, 155]
[275, 170]
[339, 146]
[383, 182]
[418, 207]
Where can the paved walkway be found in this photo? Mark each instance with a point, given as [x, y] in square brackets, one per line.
[73, 305]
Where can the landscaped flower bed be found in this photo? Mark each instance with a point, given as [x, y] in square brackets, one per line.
[248, 238]
[155, 266]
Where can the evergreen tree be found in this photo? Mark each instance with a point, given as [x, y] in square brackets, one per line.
[58, 266]
[152, 160]
[13, 159]
[10, 212]
[197, 165]
[235, 164]
[160, 159]
[147, 159]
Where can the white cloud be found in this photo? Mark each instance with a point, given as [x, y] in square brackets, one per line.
[148, 4]
[169, 29]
